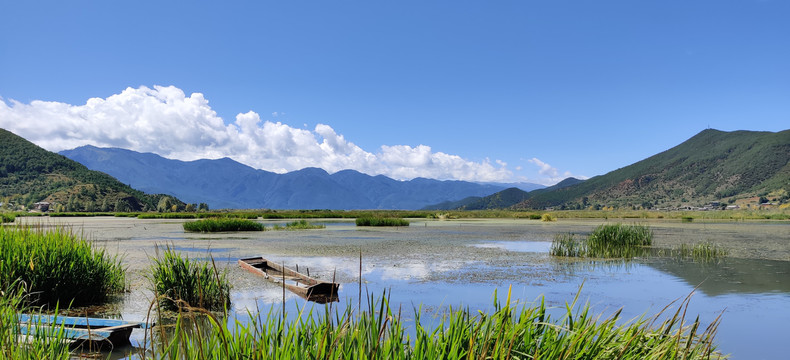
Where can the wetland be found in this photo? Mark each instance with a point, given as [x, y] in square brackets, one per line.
[438, 264]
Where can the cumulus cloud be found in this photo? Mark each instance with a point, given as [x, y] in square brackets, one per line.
[165, 121]
[550, 174]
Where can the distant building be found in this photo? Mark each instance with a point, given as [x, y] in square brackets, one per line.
[733, 207]
[42, 206]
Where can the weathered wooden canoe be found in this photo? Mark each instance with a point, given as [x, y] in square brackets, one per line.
[300, 284]
[81, 330]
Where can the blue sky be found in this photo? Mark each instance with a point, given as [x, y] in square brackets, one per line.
[474, 90]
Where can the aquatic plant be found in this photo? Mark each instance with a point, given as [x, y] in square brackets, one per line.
[701, 252]
[223, 224]
[299, 225]
[7, 217]
[548, 217]
[381, 221]
[180, 282]
[58, 266]
[606, 241]
[566, 245]
[512, 331]
[687, 219]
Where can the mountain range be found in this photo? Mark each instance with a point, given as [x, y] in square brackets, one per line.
[711, 166]
[225, 183]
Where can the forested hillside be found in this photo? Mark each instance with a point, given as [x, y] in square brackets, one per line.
[30, 174]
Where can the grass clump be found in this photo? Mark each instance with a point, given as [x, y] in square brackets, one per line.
[606, 241]
[181, 283]
[687, 219]
[7, 218]
[701, 252]
[548, 217]
[223, 224]
[58, 266]
[381, 221]
[299, 225]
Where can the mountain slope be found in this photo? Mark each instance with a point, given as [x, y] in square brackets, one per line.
[712, 165]
[225, 183]
[30, 174]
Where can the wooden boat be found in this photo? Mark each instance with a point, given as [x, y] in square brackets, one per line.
[300, 284]
[81, 330]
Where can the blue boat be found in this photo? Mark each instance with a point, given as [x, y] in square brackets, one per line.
[79, 330]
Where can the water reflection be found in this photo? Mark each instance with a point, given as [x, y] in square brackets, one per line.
[729, 275]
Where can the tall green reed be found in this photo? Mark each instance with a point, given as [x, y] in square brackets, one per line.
[39, 342]
[58, 266]
[223, 224]
[180, 282]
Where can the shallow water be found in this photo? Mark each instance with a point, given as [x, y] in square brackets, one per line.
[440, 264]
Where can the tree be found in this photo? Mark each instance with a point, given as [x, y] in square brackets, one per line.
[203, 207]
[190, 208]
[122, 206]
[165, 204]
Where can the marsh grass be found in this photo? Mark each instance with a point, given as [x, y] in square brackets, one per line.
[700, 252]
[687, 219]
[381, 221]
[179, 281]
[299, 225]
[512, 331]
[7, 217]
[606, 241]
[58, 266]
[223, 224]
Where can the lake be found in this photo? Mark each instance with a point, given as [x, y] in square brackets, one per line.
[461, 263]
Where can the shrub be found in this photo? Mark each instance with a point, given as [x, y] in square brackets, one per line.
[7, 218]
[58, 266]
[223, 224]
[548, 217]
[180, 281]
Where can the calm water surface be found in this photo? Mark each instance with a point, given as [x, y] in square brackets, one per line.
[439, 264]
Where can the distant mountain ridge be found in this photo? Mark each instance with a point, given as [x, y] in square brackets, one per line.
[30, 174]
[225, 183]
[710, 166]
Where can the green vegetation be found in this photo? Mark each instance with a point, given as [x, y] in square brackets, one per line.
[180, 283]
[701, 252]
[606, 241]
[711, 166]
[58, 266]
[299, 225]
[7, 217]
[43, 342]
[30, 174]
[548, 218]
[687, 219]
[510, 332]
[381, 221]
[223, 224]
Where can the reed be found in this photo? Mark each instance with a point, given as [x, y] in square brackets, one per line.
[606, 241]
[182, 283]
[40, 342]
[299, 225]
[7, 217]
[700, 252]
[222, 224]
[512, 331]
[58, 266]
[381, 221]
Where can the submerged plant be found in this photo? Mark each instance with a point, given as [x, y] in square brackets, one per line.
[58, 266]
[180, 282]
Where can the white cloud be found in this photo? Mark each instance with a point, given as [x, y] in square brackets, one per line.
[550, 174]
[164, 121]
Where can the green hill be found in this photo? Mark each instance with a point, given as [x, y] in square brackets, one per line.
[711, 166]
[30, 174]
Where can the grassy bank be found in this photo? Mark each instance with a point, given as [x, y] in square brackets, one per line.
[222, 224]
[58, 266]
